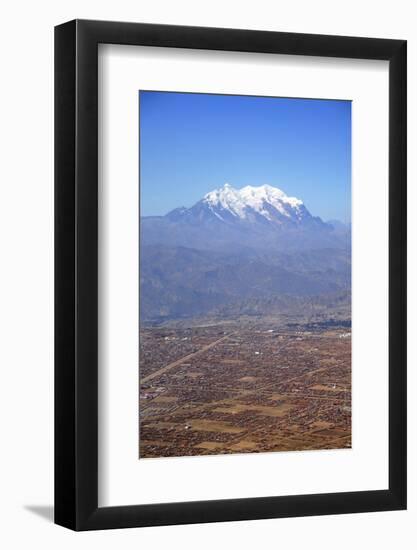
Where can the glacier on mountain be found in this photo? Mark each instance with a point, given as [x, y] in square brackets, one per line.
[262, 200]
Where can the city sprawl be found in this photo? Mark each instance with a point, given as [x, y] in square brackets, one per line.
[244, 387]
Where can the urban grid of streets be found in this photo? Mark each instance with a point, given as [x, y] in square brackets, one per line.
[231, 388]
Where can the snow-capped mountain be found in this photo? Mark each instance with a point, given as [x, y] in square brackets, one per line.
[264, 204]
[265, 200]
[262, 216]
[234, 249]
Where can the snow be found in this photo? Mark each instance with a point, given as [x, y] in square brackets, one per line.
[240, 202]
[228, 198]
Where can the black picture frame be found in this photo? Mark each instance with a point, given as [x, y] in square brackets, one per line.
[76, 273]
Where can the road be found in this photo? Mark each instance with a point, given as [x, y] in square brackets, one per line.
[184, 359]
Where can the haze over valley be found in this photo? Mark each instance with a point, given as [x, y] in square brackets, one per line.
[253, 251]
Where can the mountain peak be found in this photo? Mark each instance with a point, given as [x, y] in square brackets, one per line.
[264, 200]
[262, 216]
[269, 194]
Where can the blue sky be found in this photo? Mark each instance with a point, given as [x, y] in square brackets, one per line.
[191, 144]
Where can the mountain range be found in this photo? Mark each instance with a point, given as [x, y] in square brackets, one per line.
[238, 246]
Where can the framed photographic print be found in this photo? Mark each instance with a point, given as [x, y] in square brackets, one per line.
[230, 248]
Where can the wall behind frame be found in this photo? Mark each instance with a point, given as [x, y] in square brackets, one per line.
[26, 227]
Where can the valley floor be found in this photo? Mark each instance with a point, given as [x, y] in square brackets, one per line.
[237, 388]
